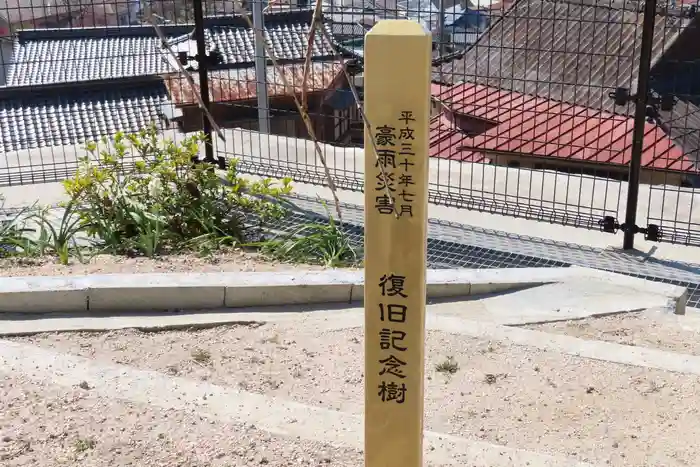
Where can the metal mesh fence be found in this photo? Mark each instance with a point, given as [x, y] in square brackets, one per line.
[577, 112]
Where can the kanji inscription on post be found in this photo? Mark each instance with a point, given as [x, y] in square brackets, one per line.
[395, 156]
[392, 311]
[397, 106]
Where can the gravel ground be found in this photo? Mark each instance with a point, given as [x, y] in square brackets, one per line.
[664, 332]
[105, 264]
[44, 426]
[510, 395]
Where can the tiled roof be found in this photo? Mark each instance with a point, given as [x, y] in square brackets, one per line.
[347, 31]
[287, 41]
[240, 84]
[68, 55]
[579, 53]
[60, 117]
[524, 125]
[569, 52]
[60, 60]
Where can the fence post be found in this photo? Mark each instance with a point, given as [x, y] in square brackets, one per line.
[203, 67]
[640, 116]
[261, 67]
[397, 106]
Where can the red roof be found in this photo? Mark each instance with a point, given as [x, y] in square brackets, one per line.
[521, 124]
[437, 89]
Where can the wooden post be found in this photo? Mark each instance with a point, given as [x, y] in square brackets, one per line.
[397, 105]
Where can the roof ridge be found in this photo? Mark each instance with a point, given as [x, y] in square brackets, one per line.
[616, 5]
[272, 18]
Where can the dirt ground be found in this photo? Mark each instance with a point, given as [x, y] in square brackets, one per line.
[636, 329]
[44, 426]
[599, 412]
[106, 264]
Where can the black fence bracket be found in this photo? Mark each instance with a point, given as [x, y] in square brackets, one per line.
[609, 224]
[211, 60]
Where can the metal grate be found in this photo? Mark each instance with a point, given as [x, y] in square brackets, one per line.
[452, 246]
[442, 254]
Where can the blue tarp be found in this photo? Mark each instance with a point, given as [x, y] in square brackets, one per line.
[464, 18]
[341, 99]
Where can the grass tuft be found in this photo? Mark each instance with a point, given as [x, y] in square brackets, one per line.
[448, 366]
[323, 244]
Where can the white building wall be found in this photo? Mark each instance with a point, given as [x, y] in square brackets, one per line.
[6, 47]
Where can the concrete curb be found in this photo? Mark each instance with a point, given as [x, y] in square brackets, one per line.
[148, 292]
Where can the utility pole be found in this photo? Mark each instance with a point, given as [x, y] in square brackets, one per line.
[442, 45]
[261, 67]
[202, 66]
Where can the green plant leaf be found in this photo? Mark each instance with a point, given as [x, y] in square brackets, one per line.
[142, 193]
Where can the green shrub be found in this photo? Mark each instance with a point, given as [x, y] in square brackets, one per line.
[143, 195]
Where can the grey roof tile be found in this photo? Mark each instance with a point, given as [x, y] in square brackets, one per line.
[59, 56]
[60, 117]
[348, 31]
[286, 41]
[47, 61]
[569, 52]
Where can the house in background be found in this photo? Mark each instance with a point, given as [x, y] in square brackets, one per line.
[482, 124]
[33, 14]
[41, 14]
[463, 25]
[578, 54]
[349, 25]
[233, 93]
[16, 15]
[68, 86]
[233, 87]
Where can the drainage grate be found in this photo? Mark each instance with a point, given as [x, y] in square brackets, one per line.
[442, 254]
[445, 254]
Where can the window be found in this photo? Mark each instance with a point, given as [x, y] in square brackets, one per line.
[472, 125]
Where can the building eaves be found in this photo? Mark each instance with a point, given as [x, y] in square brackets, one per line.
[347, 31]
[241, 84]
[579, 53]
